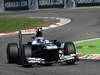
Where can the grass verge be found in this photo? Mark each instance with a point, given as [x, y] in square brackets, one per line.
[88, 47]
[9, 24]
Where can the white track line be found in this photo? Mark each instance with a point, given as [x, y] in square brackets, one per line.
[86, 40]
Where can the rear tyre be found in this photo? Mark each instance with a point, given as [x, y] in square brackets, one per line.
[12, 53]
[27, 52]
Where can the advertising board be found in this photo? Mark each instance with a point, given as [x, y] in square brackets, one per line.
[84, 1]
[15, 4]
[87, 2]
[51, 3]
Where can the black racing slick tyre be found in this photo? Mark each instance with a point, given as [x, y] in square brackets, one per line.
[69, 48]
[27, 50]
[12, 53]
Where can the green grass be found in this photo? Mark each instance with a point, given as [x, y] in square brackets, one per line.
[88, 47]
[9, 24]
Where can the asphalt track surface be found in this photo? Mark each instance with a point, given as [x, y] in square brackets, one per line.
[85, 24]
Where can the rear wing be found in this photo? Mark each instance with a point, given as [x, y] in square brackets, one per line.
[25, 32]
[20, 41]
[29, 31]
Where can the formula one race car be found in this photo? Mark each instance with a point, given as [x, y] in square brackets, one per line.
[41, 52]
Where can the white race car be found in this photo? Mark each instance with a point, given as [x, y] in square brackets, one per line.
[41, 52]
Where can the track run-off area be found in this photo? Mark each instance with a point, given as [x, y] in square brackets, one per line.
[85, 25]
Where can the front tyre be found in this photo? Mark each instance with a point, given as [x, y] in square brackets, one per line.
[71, 62]
[69, 48]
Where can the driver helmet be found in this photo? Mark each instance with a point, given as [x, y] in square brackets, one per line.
[39, 28]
